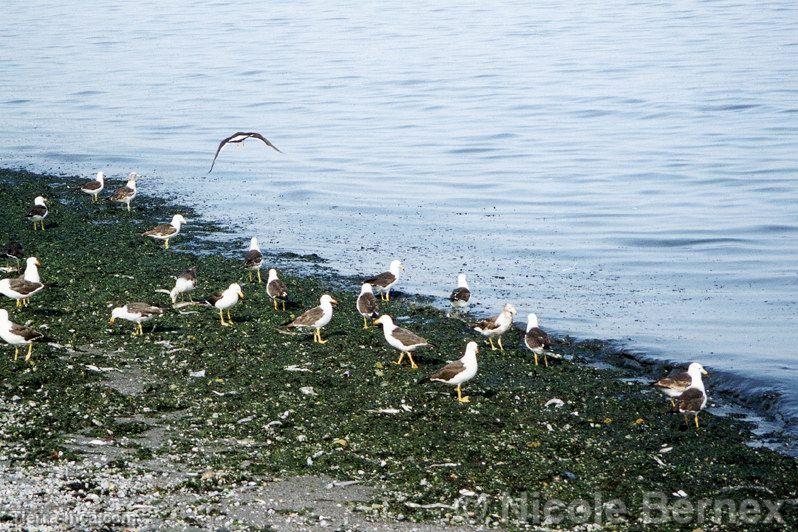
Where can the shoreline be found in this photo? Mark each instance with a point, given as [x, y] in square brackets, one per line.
[246, 419]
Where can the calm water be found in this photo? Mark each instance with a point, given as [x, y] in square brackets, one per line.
[627, 173]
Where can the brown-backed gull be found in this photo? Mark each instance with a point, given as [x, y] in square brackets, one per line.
[38, 212]
[385, 281]
[184, 283]
[94, 187]
[401, 339]
[136, 312]
[168, 231]
[253, 259]
[238, 138]
[316, 318]
[694, 398]
[497, 325]
[20, 290]
[461, 294]
[367, 305]
[276, 288]
[459, 371]
[677, 381]
[126, 193]
[536, 339]
[17, 335]
[225, 300]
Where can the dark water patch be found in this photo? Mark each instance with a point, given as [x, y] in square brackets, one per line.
[681, 242]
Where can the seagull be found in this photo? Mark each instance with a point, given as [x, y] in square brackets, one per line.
[678, 381]
[166, 231]
[240, 137]
[253, 259]
[402, 339]
[317, 317]
[138, 313]
[185, 282]
[94, 187]
[13, 250]
[32, 270]
[536, 340]
[38, 212]
[693, 399]
[128, 192]
[225, 300]
[496, 326]
[17, 335]
[459, 371]
[461, 294]
[275, 288]
[385, 281]
[367, 305]
[20, 290]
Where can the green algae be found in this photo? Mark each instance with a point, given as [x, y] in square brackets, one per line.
[247, 417]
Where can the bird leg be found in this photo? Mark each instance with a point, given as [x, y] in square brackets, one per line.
[318, 332]
[283, 301]
[229, 318]
[545, 359]
[401, 357]
[673, 403]
[128, 207]
[221, 318]
[42, 222]
[460, 397]
[166, 244]
[388, 295]
[365, 323]
[16, 353]
[260, 280]
[500, 343]
[696, 421]
[249, 273]
[492, 347]
[412, 362]
[19, 303]
[536, 358]
[315, 335]
[30, 352]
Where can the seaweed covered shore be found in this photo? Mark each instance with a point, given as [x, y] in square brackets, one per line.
[158, 429]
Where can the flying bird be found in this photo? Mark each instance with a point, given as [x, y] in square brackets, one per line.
[238, 138]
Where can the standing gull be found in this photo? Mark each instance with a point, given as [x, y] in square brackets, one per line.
[238, 138]
[20, 290]
[17, 335]
[385, 281]
[253, 259]
[126, 193]
[460, 371]
[276, 288]
[367, 305]
[38, 212]
[536, 339]
[184, 283]
[402, 339]
[94, 187]
[316, 318]
[677, 381]
[694, 398]
[461, 294]
[166, 231]
[31, 273]
[138, 313]
[225, 300]
[496, 326]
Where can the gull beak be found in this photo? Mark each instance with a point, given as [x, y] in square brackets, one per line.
[334, 302]
[241, 295]
[704, 372]
[112, 320]
[38, 263]
[378, 321]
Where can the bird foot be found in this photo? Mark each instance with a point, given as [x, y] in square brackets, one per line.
[464, 399]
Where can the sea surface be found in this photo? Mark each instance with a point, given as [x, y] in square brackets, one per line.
[627, 170]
